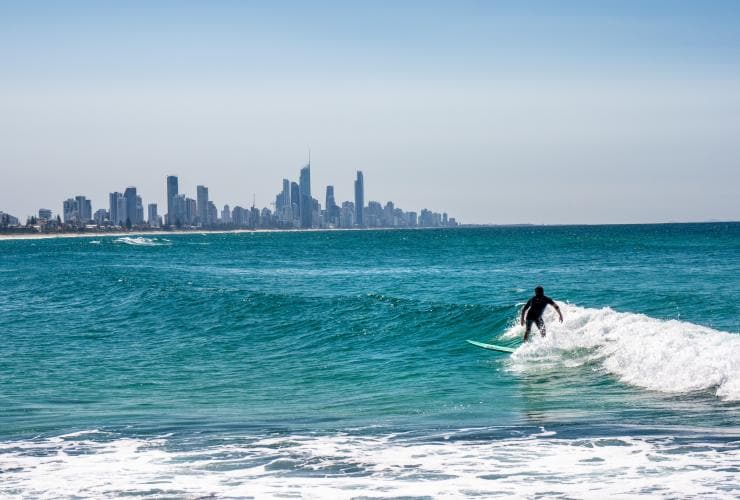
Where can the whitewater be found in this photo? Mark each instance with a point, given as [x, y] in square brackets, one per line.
[334, 364]
[668, 356]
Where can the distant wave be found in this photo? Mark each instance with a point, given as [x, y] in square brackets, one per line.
[344, 465]
[663, 355]
[142, 241]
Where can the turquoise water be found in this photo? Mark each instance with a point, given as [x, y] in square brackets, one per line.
[334, 364]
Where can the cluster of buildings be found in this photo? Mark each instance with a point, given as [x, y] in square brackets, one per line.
[294, 207]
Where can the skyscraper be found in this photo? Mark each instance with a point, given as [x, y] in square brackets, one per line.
[359, 199]
[332, 210]
[202, 197]
[113, 208]
[189, 210]
[139, 210]
[295, 202]
[171, 203]
[121, 210]
[84, 209]
[153, 217]
[69, 211]
[286, 193]
[305, 206]
[131, 206]
[329, 197]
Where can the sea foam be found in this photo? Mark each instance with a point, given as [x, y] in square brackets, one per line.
[142, 241]
[382, 466]
[663, 355]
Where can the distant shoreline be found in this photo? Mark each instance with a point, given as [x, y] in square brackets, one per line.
[163, 232]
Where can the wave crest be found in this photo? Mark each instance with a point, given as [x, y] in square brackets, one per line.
[142, 241]
[663, 355]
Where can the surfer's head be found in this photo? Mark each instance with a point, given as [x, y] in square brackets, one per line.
[539, 291]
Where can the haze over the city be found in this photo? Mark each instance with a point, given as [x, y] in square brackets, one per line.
[497, 112]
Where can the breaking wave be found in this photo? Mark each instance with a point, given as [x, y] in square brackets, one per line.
[383, 466]
[142, 241]
[663, 355]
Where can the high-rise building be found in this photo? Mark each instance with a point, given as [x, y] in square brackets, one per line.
[411, 219]
[360, 199]
[190, 211]
[84, 209]
[69, 211]
[121, 211]
[172, 193]
[305, 204]
[139, 210]
[153, 218]
[388, 215]
[131, 206]
[332, 210]
[373, 214]
[113, 215]
[8, 220]
[295, 202]
[240, 216]
[329, 197]
[286, 193]
[202, 196]
[347, 215]
[226, 215]
[212, 215]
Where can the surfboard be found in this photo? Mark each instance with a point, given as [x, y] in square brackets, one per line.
[491, 347]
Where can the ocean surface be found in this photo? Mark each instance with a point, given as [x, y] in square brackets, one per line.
[334, 364]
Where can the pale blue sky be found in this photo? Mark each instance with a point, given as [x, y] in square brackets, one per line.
[501, 112]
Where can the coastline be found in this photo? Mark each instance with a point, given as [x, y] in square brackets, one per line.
[105, 234]
[162, 232]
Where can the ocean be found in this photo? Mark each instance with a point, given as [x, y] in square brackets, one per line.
[334, 364]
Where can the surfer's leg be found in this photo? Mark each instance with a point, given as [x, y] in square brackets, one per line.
[541, 326]
[529, 327]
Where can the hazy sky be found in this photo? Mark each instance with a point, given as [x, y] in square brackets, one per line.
[500, 112]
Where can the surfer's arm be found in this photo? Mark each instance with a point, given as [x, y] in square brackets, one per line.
[553, 304]
[524, 310]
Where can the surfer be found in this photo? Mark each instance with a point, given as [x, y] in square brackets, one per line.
[534, 309]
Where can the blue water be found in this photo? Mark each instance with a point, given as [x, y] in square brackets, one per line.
[334, 364]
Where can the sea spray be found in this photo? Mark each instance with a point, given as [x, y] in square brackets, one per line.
[662, 355]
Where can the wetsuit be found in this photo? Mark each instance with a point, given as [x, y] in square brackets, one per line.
[535, 307]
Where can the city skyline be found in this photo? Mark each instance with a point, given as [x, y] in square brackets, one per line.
[294, 207]
[501, 112]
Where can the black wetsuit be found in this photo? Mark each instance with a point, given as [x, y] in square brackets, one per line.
[535, 307]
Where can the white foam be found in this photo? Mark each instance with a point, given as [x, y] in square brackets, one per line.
[345, 466]
[141, 241]
[663, 355]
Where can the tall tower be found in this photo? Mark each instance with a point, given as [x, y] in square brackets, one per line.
[202, 196]
[329, 197]
[171, 203]
[114, 216]
[295, 200]
[131, 203]
[286, 193]
[305, 206]
[360, 199]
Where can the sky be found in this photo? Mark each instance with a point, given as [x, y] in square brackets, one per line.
[495, 112]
